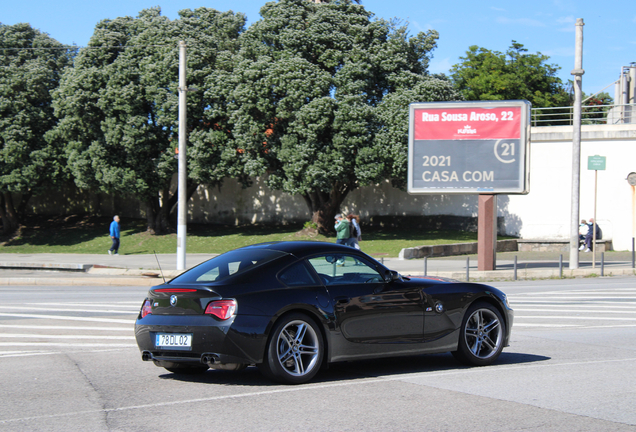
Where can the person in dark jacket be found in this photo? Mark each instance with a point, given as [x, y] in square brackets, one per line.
[589, 237]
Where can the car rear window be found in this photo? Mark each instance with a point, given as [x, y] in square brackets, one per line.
[228, 264]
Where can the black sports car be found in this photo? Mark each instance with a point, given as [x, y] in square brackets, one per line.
[291, 307]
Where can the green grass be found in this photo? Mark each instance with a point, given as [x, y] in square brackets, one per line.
[90, 236]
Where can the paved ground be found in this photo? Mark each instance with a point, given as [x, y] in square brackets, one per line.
[74, 269]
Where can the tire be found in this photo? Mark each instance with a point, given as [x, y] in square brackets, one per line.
[481, 336]
[295, 350]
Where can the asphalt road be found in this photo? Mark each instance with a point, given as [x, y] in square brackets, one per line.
[68, 361]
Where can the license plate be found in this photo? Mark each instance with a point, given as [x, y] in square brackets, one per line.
[173, 340]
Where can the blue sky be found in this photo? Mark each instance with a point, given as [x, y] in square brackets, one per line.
[545, 26]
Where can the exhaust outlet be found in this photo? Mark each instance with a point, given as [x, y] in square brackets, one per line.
[146, 356]
[210, 359]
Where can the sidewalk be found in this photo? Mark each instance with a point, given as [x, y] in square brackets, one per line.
[82, 269]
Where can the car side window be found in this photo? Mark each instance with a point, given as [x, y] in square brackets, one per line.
[297, 275]
[226, 269]
[344, 269]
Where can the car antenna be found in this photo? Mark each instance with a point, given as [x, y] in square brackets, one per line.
[164, 279]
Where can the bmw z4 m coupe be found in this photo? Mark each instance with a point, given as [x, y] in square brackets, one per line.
[291, 307]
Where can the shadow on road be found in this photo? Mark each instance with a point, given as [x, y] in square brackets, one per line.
[347, 371]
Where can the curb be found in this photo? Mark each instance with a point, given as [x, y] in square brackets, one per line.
[525, 274]
[474, 276]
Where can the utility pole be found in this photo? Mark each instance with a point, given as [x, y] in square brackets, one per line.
[182, 222]
[576, 145]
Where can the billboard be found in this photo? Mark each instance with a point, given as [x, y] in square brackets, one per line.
[469, 147]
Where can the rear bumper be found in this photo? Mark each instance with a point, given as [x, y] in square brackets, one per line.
[240, 339]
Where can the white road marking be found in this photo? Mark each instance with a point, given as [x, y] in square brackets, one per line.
[8, 354]
[516, 324]
[41, 336]
[69, 318]
[572, 298]
[595, 318]
[132, 305]
[89, 309]
[48, 327]
[310, 387]
[595, 311]
[65, 344]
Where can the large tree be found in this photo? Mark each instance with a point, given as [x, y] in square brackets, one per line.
[31, 64]
[491, 75]
[118, 106]
[307, 99]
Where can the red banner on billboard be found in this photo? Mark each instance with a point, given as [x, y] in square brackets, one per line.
[467, 123]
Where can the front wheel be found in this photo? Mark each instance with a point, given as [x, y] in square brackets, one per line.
[295, 350]
[481, 336]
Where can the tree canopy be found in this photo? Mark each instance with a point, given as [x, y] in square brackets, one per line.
[118, 107]
[491, 75]
[315, 95]
[31, 64]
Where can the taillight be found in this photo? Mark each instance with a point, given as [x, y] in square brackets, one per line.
[222, 309]
[146, 309]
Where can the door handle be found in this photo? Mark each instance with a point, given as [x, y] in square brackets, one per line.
[341, 300]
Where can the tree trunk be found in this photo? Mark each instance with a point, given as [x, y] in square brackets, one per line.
[10, 221]
[24, 200]
[159, 210]
[324, 206]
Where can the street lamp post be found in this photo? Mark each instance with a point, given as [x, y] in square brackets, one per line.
[182, 222]
[576, 145]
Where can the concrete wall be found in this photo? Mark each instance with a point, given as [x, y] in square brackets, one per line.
[545, 211]
[542, 214]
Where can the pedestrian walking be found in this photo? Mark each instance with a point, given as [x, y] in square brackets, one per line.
[114, 235]
[355, 234]
[342, 229]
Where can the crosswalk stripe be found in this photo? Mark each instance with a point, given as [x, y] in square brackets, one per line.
[49, 327]
[594, 318]
[41, 336]
[132, 305]
[69, 318]
[596, 311]
[31, 308]
[65, 344]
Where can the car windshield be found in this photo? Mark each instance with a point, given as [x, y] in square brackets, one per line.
[228, 264]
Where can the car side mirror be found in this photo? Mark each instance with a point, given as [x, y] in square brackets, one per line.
[387, 276]
[391, 275]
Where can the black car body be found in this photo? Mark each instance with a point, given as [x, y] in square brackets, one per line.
[290, 307]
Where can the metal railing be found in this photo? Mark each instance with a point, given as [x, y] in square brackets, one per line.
[590, 114]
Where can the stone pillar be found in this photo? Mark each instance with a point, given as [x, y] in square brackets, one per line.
[487, 232]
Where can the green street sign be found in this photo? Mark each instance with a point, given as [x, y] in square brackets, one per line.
[596, 162]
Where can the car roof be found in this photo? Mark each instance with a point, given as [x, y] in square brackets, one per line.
[303, 248]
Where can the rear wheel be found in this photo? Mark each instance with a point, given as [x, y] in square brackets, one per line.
[295, 350]
[481, 336]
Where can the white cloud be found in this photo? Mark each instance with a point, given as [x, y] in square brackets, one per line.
[440, 65]
[520, 21]
[566, 20]
[559, 52]
[426, 27]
